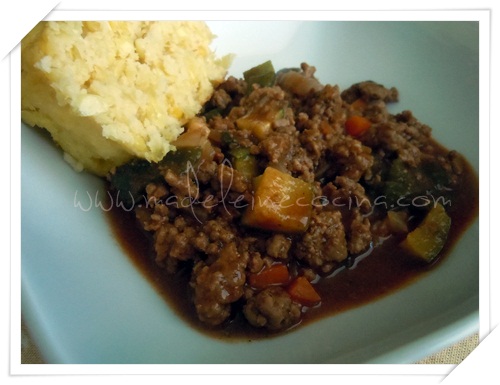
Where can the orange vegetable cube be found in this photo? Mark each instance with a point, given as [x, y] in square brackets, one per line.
[281, 203]
[303, 292]
[272, 275]
[357, 125]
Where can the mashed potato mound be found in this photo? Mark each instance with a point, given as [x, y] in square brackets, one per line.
[111, 91]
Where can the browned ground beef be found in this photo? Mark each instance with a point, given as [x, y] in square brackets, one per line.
[195, 214]
[324, 244]
[272, 308]
[218, 285]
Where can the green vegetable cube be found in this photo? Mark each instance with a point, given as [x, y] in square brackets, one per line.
[427, 240]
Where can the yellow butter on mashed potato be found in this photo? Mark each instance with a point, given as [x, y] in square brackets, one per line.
[110, 91]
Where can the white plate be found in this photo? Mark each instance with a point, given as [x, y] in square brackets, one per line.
[85, 302]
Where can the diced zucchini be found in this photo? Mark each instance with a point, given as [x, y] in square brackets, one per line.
[244, 162]
[130, 180]
[427, 240]
[401, 182]
[281, 203]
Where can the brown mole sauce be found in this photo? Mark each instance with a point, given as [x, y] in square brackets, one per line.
[375, 273]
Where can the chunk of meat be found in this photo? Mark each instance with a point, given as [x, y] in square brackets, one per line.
[359, 235]
[232, 179]
[278, 246]
[345, 192]
[324, 244]
[218, 285]
[182, 185]
[369, 91]
[402, 135]
[351, 158]
[172, 243]
[272, 308]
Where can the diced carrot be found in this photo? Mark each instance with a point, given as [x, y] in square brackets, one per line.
[357, 125]
[272, 275]
[302, 291]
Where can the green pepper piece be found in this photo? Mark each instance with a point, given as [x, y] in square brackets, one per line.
[263, 75]
[244, 162]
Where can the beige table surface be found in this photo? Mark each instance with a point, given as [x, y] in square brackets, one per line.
[454, 354]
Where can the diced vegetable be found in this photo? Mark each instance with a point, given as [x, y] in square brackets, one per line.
[212, 113]
[281, 203]
[287, 69]
[196, 134]
[298, 83]
[244, 162]
[259, 120]
[427, 240]
[403, 181]
[357, 125]
[255, 124]
[303, 292]
[241, 158]
[272, 275]
[189, 147]
[131, 179]
[179, 159]
[398, 221]
[436, 174]
[263, 75]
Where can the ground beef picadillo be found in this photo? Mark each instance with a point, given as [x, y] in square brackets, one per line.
[193, 205]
